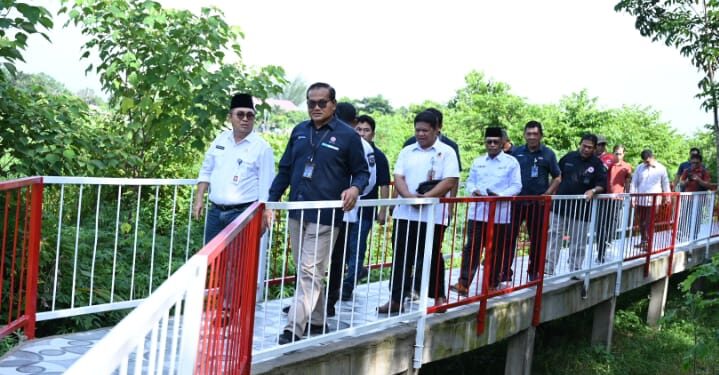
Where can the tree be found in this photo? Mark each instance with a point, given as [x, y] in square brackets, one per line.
[166, 77]
[375, 104]
[17, 21]
[692, 26]
[294, 91]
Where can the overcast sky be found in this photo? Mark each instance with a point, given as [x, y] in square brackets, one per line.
[411, 51]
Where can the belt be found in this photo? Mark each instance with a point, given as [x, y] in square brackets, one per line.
[227, 207]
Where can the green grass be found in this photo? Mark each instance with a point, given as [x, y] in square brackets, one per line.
[562, 347]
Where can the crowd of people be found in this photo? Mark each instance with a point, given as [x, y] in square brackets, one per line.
[332, 156]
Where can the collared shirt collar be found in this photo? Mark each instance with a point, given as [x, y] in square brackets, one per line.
[249, 138]
[417, 147]
[332, 123]
[499, 156]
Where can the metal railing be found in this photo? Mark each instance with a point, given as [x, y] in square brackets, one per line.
[139, 230]
[160, 336]
[242, 319]
[21, 215]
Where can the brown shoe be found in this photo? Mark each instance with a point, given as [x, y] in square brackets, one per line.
[460, 289]
[389, 307]
[440, 303]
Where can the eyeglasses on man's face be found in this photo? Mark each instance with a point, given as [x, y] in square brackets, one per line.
[247, 115]
[311, 104]
[492, 141]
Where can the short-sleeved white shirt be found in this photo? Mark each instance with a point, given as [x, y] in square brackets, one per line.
[415, 164]
[250, 161]
[502, 176]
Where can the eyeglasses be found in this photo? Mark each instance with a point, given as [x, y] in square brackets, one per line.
[247, 115]
[311, 104]
[492, 141]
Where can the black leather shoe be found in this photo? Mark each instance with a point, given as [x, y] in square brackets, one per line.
[317, 329]
[287, 337]
[389, 307]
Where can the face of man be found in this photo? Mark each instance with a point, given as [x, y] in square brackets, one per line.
[426, 135]
[319, 106]
[619, 154]
[532, 137]
[365, 131]
[493, 145]
[695, 162]
[243, 121]
[586, 149]
[601, 148]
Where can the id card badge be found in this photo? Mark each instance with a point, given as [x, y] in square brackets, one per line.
[309, 168]
[236, 176]
[535, 171]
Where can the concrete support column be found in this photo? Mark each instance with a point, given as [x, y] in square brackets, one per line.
[603, 325]
[657, 301]
[519, 353]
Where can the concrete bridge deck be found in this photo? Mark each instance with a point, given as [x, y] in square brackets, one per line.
[389, 351]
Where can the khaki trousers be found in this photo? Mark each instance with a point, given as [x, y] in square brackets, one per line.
[311, 246]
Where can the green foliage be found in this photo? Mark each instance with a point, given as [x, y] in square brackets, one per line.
[693, 28]
[166, 76]
[293, 91]
[19, 20]
[46, 130]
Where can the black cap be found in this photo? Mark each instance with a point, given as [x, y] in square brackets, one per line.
[242, 100]
[601, 139]
[493, 132]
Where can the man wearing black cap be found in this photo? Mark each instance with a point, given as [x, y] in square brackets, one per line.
[582, 173]
[323, 161]
[238, 168]
[493, 174]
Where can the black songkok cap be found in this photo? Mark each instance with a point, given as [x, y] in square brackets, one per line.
[493, 132]
[242, 100]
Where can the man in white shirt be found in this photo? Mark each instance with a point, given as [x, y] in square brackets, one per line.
[238, 169]
[492, 174]
[650, 177]
[432, 162]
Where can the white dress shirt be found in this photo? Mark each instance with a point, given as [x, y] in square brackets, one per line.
[417, 165]
[500, 174]
[238, 172]
[649, 179]
[351, 216]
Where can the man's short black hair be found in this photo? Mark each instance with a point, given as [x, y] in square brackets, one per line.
[367, 120]
[534, 124]
[436, 113]
[321, 85]
[589, 137]
[346, 112]
[428, 117]
[695, 150]
[646, 154]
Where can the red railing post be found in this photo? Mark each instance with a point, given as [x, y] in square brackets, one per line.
[650, 234]
[33, 259]
[489, 243]
[536, 314]
[676, 205]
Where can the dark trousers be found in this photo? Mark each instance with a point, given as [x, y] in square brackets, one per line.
[502, 253]
[531, 213]
[605, 226]
[644, 217]
[408, 239]
[337, 266]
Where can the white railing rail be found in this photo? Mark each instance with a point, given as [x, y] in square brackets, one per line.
[160, 336]
[112, 240]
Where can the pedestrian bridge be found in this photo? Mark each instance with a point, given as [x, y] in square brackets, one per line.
[107, 246]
